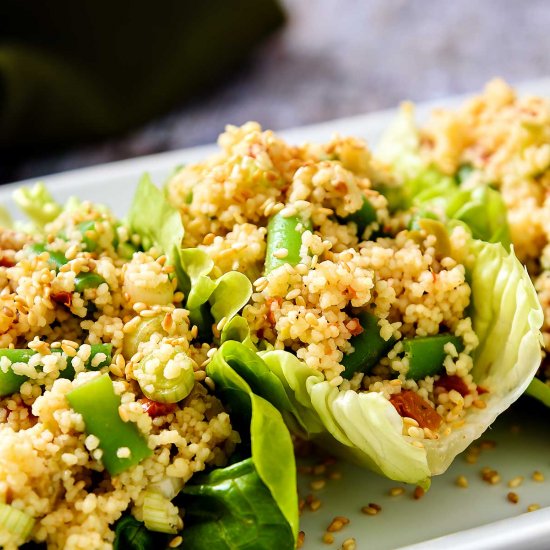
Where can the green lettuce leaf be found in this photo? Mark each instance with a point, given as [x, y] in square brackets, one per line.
[209, 300]
[231, 508]
[37, 203]
[271, 445]
[425, 188]
[365, 427]
[156, 221]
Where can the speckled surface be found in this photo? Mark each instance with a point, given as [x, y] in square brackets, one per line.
[337, 59]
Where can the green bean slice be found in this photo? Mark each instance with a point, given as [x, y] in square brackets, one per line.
[369, 347]
[426, 354]
[282, 236]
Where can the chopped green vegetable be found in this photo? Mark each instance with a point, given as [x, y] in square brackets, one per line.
[56, 260]
[159, 514]
[426, 354]
[166, 379]
[363, 217]
[10, 382]
[98, 404]
[15, 521]
[284, 240]
[369, 347]
[439, 231]
[89, 244]
[84, 280]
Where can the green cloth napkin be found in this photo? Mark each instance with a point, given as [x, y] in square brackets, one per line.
[74, 69]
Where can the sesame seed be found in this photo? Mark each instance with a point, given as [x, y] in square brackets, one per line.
[396, 491]
[538, 476]
[512, 497]
[515, 482]
[337, 524]
[328, 538]
[175, 542]
[319, 469]
[280, 253]
[314, 505]
[349, 544]
[318, 484]
[461, 481]
[533, 507]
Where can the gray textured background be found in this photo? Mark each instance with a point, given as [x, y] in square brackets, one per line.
[339, 58]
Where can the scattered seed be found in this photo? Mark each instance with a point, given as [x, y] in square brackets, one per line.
[335, 475]
[319, 469]
[418, 492]
[396, 491]
[487, 444]
[515, 482]
[337, 524]
[318, 484]
[328, 538]
[300, 540]
[349, 544]
[490, 476]
[538, 476]
[461, 481]
[314, 505]
[533, 507]
[512, 497]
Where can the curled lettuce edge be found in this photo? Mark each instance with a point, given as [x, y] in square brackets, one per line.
[366, 429]
[271, 444]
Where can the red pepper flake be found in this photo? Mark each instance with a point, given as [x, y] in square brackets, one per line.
[6, 262]
[452, 382]
[154, 408]
[409, 403]
[62, 297]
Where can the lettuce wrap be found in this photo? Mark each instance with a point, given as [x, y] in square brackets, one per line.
[365, 427]
[423, 186]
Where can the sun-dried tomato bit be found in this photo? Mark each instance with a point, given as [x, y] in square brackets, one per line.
[62, 297]
[409, 403]
[154, 408]
[452, 382]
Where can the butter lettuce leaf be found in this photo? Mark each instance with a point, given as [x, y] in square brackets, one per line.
[155, 220]
[365, 427]
[270, 442]
[232, 508]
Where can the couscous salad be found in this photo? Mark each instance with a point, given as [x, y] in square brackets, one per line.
[153, 369]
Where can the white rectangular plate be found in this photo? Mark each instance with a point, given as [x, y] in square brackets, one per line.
[477, 517]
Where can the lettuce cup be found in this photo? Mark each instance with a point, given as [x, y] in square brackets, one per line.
[390, 335]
